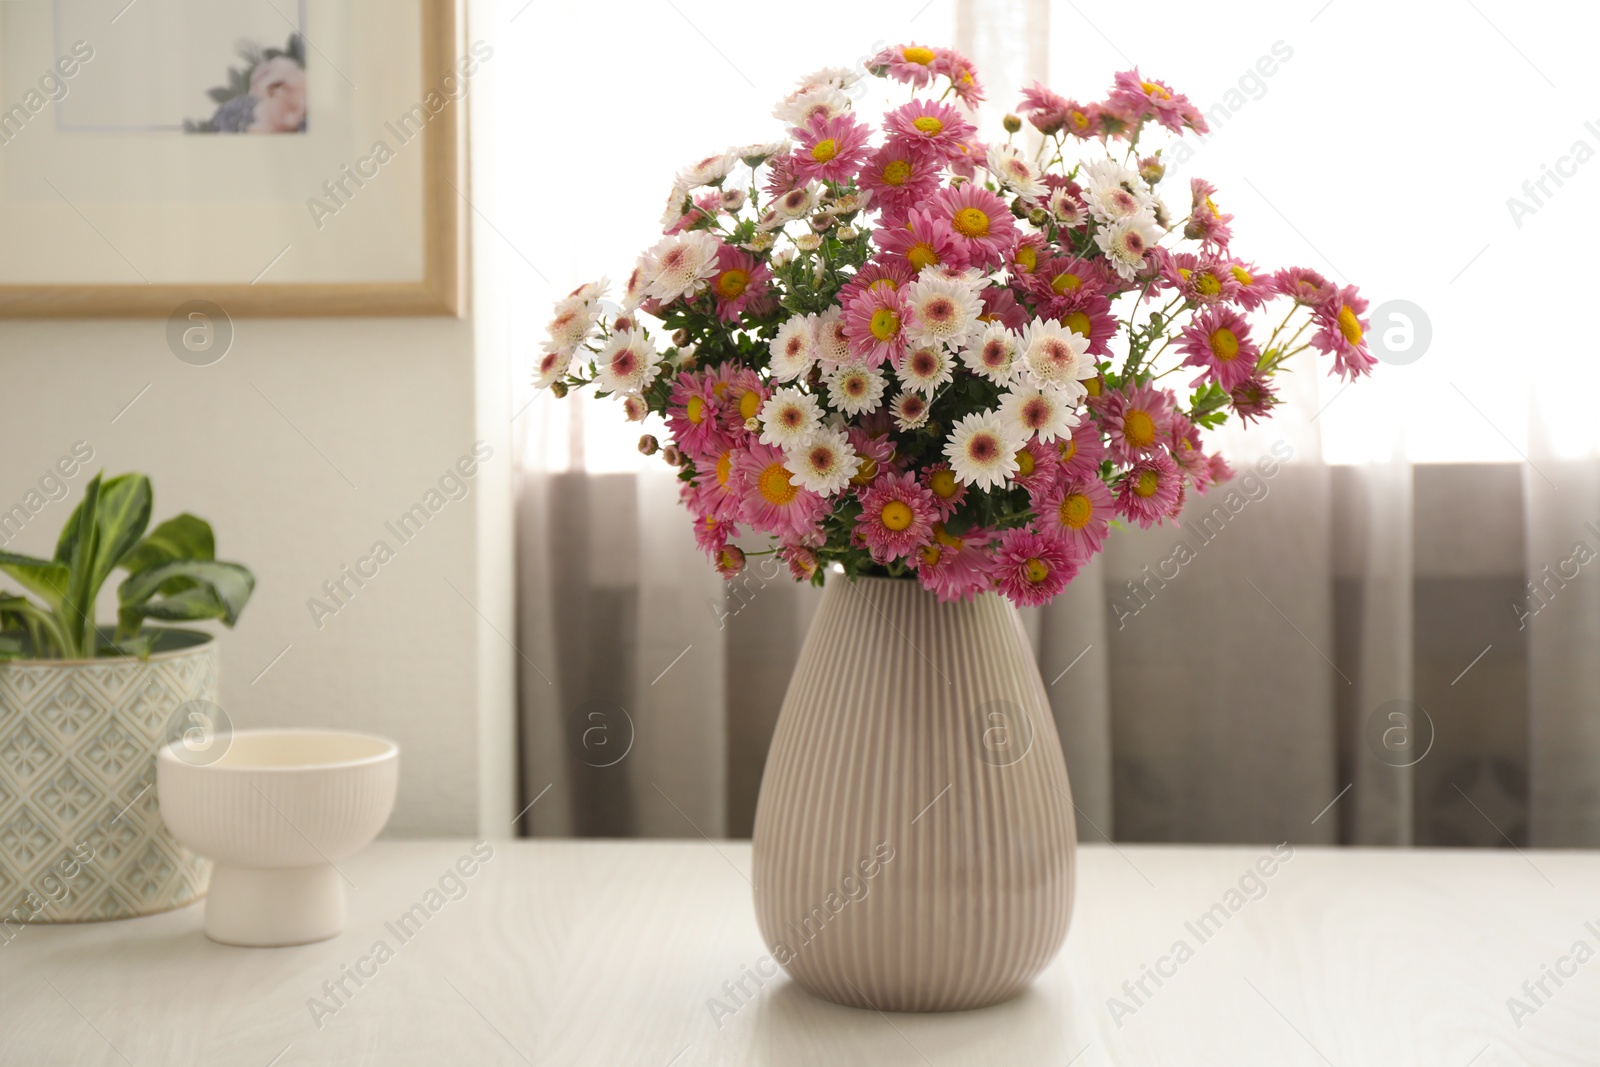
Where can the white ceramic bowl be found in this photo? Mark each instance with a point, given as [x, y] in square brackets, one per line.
[277, 812]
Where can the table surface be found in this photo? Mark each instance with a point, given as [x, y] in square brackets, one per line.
[628, 953]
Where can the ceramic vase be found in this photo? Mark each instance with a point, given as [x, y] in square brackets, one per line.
[914, 839]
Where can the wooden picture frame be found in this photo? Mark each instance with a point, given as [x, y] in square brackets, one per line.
[439, 291]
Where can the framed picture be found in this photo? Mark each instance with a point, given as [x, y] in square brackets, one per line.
[271, 157]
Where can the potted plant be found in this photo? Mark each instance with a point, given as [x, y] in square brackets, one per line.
[84, 707]
[943, 368]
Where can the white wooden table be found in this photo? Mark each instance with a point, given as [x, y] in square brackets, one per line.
[612, 954]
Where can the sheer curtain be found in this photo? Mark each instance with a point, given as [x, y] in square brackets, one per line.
[1344, 648]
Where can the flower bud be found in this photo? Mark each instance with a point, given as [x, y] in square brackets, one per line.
[1194, 229]
[648, 445]
[785, 255]
[760, 242]
[636, 409]
[1151, 169]
[680, 337]
[732, 200]
[808, 242]
[730, 561]
[821, 223]
[558, 389]
[848, 233]
[1038, 216]
[673, 457]
[1012, 124]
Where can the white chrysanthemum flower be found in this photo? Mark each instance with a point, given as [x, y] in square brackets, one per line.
[825, 464]
[708, 171]
[638, 283]
[1109, 203]
[1126, 241]
[833, 344]
[552, 366]
[756, 154]
[680, 265]
[628, 363]
[942, 309]
[835, 77]
[1108, 171]
[856, 389]
[796, 203]
[1044, 413]
[794, 349]
[1015, 171]
[1055, 355]
[1068, 209]
[926, 368]
[981, 452]
[574, 320]
[677, 203]
[910, 410]
[789, 418]
[799, 108]
[993, 354]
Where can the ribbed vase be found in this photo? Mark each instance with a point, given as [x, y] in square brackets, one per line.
[914, 839]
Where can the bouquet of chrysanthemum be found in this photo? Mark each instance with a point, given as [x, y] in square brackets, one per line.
[899, 350]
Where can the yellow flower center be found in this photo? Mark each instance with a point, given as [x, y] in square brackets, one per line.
[1148, 483]
[970, 222]
[1076, 511]
[885, 324]
[1224, 345]
[775, 486]
[719, 390]
[930, 555]
[1078, 323]
[1211, 206]
[928, 125]
[1138, 428]
[725, 466]
[1069, 448]
[945, 537]
[1155, 90]
[1035, 570]
[1242, 276]
[922, 255]
[824, 150]
[1027, 258]
[1208, 285]
[749, 404]
[1349, 325]
[1093, 387]
[917, 54]
[1079, 120]
[732, 282]
[1024, 463]
[866, 472]
[943, 484]
[896, 172]
[895, 516]
[695, 409]
[1064, 281]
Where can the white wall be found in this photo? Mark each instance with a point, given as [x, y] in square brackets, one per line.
[390, 403]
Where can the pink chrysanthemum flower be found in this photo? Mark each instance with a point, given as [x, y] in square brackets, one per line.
[878, 271]
[1089, 315]
[742, 397]
[1136, 418]
[1030, 568]
[1218, 340]
[829, 149]
[1253, 398]
[1044, 108]
[876, 452]
[1221, 471]
[692, 417]
[717, 489]
[1342, 332]
[1198, 279]
[924, 241]
[897, 516]
[1038, 469]
[980, 221]
[1148, 490]
[955, 567]
[1156, 99]
[932, 125]
[1304, 286]
[1188, 452]
[1079, 511]
[912, 64]
[1207, 223]
[740, 278]
[1082, 120]
[899, 176]
[802, 561]
[1254, 288]
[875, 322]
[773, 502]
[963, 78]
[948, 492]
[1000, 306]
[730, 560]
[1082, 452]
[711, 533]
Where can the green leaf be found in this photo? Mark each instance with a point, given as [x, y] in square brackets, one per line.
[181, 537]
[123, 513]
[220, 591]
[44, 578]
[11, 647]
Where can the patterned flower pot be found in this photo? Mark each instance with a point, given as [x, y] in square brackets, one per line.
[914, 838]
[81, 837]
